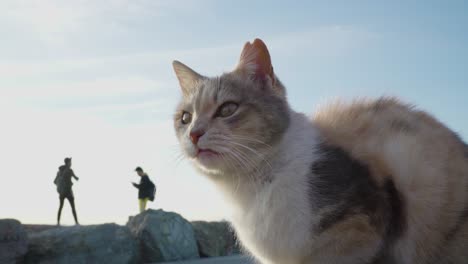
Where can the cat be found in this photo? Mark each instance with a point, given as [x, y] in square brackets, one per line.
[365, 181]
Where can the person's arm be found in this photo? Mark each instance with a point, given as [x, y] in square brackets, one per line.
[74, 176]
[136, 185]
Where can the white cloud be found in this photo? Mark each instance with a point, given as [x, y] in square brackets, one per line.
[48, 19]
[323, 41]
[161, 60]
[51, 19]
[111, 86]
[56, 22]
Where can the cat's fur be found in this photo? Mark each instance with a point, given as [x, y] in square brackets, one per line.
[371, 181]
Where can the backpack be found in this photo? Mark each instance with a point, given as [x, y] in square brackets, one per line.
[153, 191]
[58, 177]
[60, 181]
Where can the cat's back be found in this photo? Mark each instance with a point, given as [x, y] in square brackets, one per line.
[426, 161]
[392, 137]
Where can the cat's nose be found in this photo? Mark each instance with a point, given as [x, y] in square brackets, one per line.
[196, 135]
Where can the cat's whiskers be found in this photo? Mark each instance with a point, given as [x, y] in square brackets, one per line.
[247, 158]
[175, 150]
[235, 163]
[251, 149]
[245, 163]
[256, 153]
[244, 159]
[250, 139]
[232, 175]
[253, 176]
[177, 155]
[178, 159]
[226, 150]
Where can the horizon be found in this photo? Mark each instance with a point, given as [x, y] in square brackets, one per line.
[94, 81]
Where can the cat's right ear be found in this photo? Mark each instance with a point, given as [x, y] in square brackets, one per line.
[255, 62]
[188, 78]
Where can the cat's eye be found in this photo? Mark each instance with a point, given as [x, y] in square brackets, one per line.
[227, 109]
[186, 118]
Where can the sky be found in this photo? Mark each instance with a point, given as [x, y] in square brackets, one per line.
[93, 80]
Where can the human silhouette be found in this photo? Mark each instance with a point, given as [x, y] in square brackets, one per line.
[146, 189]
[64, 183]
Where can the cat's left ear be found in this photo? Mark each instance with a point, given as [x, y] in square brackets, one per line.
[188, 78]
[255, 62]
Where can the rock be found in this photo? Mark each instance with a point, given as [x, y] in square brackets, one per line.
[107, 243]
[163, 236]
[215, 239]
[38, 228]
[13, 241]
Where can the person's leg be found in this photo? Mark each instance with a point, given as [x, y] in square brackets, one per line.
[142, 203]
[71, 199]
[145, 203]
[60, 209]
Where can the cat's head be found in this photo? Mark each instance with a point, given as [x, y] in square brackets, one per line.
[232, 122]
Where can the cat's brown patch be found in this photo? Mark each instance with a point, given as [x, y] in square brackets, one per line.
[424, 159]
[349, 237]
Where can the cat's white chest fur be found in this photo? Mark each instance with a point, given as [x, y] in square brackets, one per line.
[274, 222]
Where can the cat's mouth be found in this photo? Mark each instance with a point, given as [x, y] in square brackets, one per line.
[207, 153]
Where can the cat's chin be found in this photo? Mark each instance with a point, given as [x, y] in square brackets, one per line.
[209, 161]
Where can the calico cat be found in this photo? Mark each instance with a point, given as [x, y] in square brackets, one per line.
[368, 181]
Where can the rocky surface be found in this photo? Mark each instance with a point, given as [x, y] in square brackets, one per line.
[215, 239]
[163, 236]
[13, 241]
[238, 259]
[107, 243]
[153, 236]
[38, 228]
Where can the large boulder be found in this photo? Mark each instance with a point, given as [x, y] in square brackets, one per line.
[38, 228]
[215, 239]
[107, 243]
[13, 241]
[163, 236]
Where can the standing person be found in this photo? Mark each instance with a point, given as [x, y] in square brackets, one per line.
[146, 189]
[64, 183]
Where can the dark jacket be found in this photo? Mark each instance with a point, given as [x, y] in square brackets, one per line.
[145, 188]
[63, 180]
